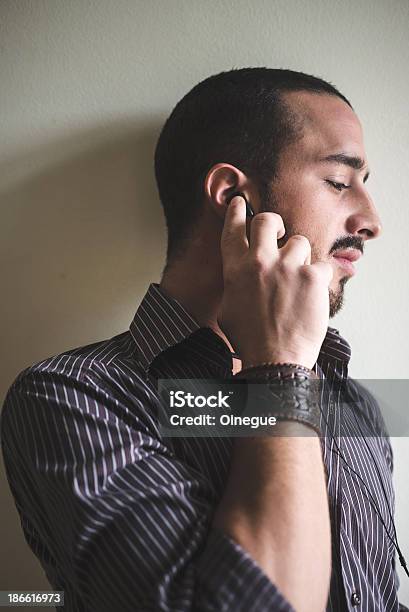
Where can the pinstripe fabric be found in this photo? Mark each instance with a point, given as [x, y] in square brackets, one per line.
[120, 518]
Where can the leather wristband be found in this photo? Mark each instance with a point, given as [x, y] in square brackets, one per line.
[292, 388]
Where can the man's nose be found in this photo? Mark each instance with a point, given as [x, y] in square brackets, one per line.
[365, 218]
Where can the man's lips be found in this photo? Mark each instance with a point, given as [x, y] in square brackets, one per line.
[346, 257]
[350, 254]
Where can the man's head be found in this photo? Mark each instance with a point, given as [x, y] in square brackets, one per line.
[266, 132]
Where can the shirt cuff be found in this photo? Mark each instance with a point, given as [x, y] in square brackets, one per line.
[230, 579]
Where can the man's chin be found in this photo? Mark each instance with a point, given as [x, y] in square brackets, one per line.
[336, 298]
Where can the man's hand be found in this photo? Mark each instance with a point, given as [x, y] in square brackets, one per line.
[275, 304]
[275, 308]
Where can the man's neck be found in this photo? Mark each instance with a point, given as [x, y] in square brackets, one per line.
[197, 283]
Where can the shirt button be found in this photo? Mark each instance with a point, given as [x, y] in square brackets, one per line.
[355, 598]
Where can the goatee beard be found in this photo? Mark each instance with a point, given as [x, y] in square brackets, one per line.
[336, 298]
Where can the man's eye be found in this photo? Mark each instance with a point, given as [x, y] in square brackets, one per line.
[338, 186]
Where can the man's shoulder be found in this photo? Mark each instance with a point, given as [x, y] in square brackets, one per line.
[105, 362]
[103, 380]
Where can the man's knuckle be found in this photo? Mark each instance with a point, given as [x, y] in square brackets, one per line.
[275, 216]
[267, 217]
[309, 273]
[302, 239]
[257, 262]
[283, 268]
[260, 218]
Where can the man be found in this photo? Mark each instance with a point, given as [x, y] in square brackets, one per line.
[123, 518]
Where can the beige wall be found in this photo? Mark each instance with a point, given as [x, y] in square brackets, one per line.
[84, 88]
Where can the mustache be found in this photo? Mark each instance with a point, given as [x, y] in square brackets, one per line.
[349, 241]
[342, 243]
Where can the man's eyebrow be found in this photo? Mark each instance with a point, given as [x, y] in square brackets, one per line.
[353, 161]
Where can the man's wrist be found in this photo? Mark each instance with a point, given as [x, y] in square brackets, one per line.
[290, 391]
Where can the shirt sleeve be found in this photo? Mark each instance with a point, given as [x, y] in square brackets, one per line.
[124, 521]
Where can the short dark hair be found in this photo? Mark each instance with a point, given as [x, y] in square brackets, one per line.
[238, 117]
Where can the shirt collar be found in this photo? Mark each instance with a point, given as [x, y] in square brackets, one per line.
[335, 347]
[161, 322]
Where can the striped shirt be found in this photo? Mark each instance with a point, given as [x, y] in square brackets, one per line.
[120, 518]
